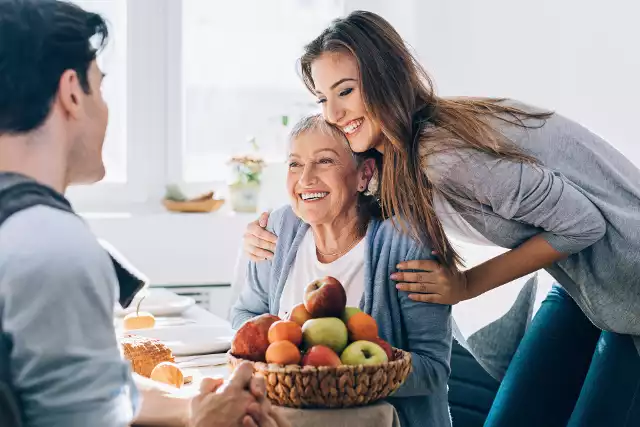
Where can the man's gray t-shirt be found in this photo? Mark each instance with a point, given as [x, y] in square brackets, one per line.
[59, 356]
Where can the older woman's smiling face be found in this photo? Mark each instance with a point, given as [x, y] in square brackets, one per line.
[323, 179]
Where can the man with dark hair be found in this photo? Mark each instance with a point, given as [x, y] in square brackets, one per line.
[60, 364]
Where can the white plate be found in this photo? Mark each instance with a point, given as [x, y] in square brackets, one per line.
[159, 302]
[188, 340]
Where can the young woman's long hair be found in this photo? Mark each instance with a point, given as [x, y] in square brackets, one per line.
[398, 94]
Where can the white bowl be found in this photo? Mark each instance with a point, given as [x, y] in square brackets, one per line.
[159, 302]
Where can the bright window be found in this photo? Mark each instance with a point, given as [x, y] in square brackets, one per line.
[114, 89]
[189, 82]
[239, 77]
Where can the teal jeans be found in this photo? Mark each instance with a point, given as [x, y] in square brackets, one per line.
[567, 372]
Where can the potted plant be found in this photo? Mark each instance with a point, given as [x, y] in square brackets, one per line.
[244, 189]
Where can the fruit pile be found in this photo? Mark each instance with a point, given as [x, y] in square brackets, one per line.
[322, 331]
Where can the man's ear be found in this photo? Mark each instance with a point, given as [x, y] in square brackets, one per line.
[70, 93]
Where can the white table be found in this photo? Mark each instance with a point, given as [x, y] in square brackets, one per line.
[381, 414]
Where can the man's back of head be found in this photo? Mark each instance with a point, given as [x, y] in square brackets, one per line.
[50, 91]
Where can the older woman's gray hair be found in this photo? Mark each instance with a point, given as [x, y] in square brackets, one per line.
[316, 123]
[368, 203]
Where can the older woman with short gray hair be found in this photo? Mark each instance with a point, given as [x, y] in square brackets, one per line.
[333, 228]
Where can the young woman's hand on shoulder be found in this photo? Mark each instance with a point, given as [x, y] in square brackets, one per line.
[431, 282]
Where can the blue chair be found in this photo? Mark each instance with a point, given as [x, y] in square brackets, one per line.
[471, 389]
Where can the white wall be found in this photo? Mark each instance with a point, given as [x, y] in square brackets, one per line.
[579, 57]
[401, 14]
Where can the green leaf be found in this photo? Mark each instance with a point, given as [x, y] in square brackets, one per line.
[173, 192]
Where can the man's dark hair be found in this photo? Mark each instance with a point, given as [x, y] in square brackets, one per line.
[39, 41]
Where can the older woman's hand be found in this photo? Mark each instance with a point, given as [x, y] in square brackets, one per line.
[259, 244]
[432, 282]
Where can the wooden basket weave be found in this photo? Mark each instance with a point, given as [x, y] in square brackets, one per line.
[199, 206]
[328, 387]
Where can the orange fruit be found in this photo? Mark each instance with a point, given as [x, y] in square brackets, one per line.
[283, 353]
[168, 373]
[285, 330]
[361, 326]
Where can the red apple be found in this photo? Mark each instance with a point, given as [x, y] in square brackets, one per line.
[385, 346]
[320, 355]
[325, 298]
[299, 314]
[252, 339]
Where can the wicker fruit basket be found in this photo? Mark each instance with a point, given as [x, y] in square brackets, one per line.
[344, 386]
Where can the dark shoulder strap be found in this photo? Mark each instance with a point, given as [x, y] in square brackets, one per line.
[18, 192]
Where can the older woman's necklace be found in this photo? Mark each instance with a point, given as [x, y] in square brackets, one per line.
[357, 238]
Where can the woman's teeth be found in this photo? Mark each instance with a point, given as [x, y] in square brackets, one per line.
[313, 196]
[353, 126]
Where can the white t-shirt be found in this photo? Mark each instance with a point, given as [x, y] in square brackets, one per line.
[348, 269]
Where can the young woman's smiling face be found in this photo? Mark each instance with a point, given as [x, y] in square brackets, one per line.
[337, 87]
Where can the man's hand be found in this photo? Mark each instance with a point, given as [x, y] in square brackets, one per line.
[225, 404]
[239, 402]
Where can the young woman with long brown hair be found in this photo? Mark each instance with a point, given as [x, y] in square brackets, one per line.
[501, 172]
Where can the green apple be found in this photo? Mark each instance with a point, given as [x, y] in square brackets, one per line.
[348, 312]
[327, 331]
[363, 353]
